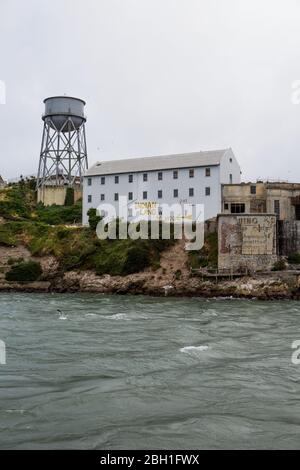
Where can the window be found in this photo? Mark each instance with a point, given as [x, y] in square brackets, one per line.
[207, 171]
[191, 192]
[175, 174]
[207, 191]
[144, 194]
[191, 173]
[102, 179]
[230, 178]
[277, 208]
[145, 177]
[116, 196]
[159, 194]
[160, 176]
[226, 206]
[237, 208]
[129, 212]
[116, 180]
[160, 211]
[130, 178]
[175, 193]
[230, 159]
[297, 212]
[102, 197]
[89, 198]
[89, 181]
[252, 189]
[130, 196]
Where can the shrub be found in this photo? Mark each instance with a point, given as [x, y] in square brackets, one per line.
[138, 258]
[11, 261]
[69, 199]
[55, 215]
[178, 274]
[93, 218]
[207, 256]
[25, 271]
[279, 265]
[294, 258]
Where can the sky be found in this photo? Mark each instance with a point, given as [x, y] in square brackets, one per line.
[158, 76]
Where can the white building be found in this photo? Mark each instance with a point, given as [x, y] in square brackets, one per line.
[191, 178]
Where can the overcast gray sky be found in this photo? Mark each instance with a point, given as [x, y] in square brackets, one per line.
[159, 77]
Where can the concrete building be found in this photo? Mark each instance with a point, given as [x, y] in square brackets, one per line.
[282, 199]
[192, 178]
[246, 242]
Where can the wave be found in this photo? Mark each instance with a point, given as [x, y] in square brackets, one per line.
[193, 350]
[119, 316]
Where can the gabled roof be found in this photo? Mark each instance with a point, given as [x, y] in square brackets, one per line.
[164, 162]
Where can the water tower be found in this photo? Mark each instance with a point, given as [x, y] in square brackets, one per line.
[63, 157]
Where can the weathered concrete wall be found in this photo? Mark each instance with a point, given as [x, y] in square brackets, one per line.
[263, 201]
[241, 193]
[284, 196]
[56, 195]
[289, 237]
[246, 241]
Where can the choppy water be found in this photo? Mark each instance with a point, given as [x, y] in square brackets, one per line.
[140, 372]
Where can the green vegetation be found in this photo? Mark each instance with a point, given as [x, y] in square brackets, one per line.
[24, 272]
[178, 274]
[279, 265]
[294, 258]
[55, 215]
[207, 256]
[18, 202]
[69, 199]
[45, 231]
[93, 218]
[79, 248]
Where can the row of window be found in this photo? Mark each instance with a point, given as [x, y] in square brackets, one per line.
[145, 176]
[240, 207]
[145, 194]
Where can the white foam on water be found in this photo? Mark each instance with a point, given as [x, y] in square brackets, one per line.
[119, 316]
[15, 411]
[193, 350]
[63, 317]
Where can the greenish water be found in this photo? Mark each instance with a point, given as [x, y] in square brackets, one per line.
[141, 372]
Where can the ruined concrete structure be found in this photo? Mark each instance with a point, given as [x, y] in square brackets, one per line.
[246, 242]
[282, 199]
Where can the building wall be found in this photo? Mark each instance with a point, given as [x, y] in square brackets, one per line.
[265, 200]
[246, 242]
[241, 193]
[55, 195]
[283, 195]
[230, 171]
[288, 237]
[212, 203]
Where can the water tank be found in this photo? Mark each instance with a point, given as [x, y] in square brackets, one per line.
[64, 112]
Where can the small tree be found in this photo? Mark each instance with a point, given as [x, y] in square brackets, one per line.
[24, 271]
[93, 218]
[69, 199]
